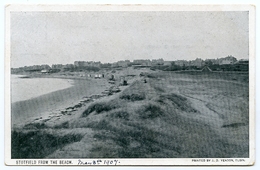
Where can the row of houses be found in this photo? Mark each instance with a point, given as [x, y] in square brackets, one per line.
[33, 68]
[198, 62]
[87, 64]
[128, 63]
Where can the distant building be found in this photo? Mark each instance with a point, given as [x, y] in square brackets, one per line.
[228, 60]
[45, 66]
[142, 62]
[167, 63]
[106, 65]
[114, 65]
[124, 63]
[158, 61]
[69, 66]
[87, 64]
[243, 61]
[198, 62]
[34, 68]
[44, 71]
[98, 76]
[57, 66]
[181, 63]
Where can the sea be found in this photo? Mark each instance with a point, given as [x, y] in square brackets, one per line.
[28, 88]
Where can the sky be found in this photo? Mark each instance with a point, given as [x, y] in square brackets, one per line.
[108, 36]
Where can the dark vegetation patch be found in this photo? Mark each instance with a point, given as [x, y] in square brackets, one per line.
[100, 107]
[121, 114]
[178, 101]
[233, 125]
[99, 125]
[133, 97]
[152, 75]
[159, 89]
[150, 111]
[63, 125]
[160, 100]
[35, 126]
[38, 144]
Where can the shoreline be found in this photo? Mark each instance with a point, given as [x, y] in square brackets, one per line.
[55, 103]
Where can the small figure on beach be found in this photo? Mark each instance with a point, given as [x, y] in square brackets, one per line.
[124, 83]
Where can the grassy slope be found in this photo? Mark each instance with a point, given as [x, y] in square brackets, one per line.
[172, 115]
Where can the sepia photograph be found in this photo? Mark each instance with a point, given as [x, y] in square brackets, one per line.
[129, 85]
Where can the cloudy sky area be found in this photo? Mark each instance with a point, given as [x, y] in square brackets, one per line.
[65, 37]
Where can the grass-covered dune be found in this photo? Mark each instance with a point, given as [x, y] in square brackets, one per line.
[172, 115]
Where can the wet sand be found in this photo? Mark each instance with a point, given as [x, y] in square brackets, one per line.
[24, 111]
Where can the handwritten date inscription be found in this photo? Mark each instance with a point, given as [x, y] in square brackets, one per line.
[98, 162]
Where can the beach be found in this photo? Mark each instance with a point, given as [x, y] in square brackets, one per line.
[25, 111]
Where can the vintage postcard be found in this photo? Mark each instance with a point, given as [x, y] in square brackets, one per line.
[130, 85]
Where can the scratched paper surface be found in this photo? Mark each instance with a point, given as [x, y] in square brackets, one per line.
[130, 85]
